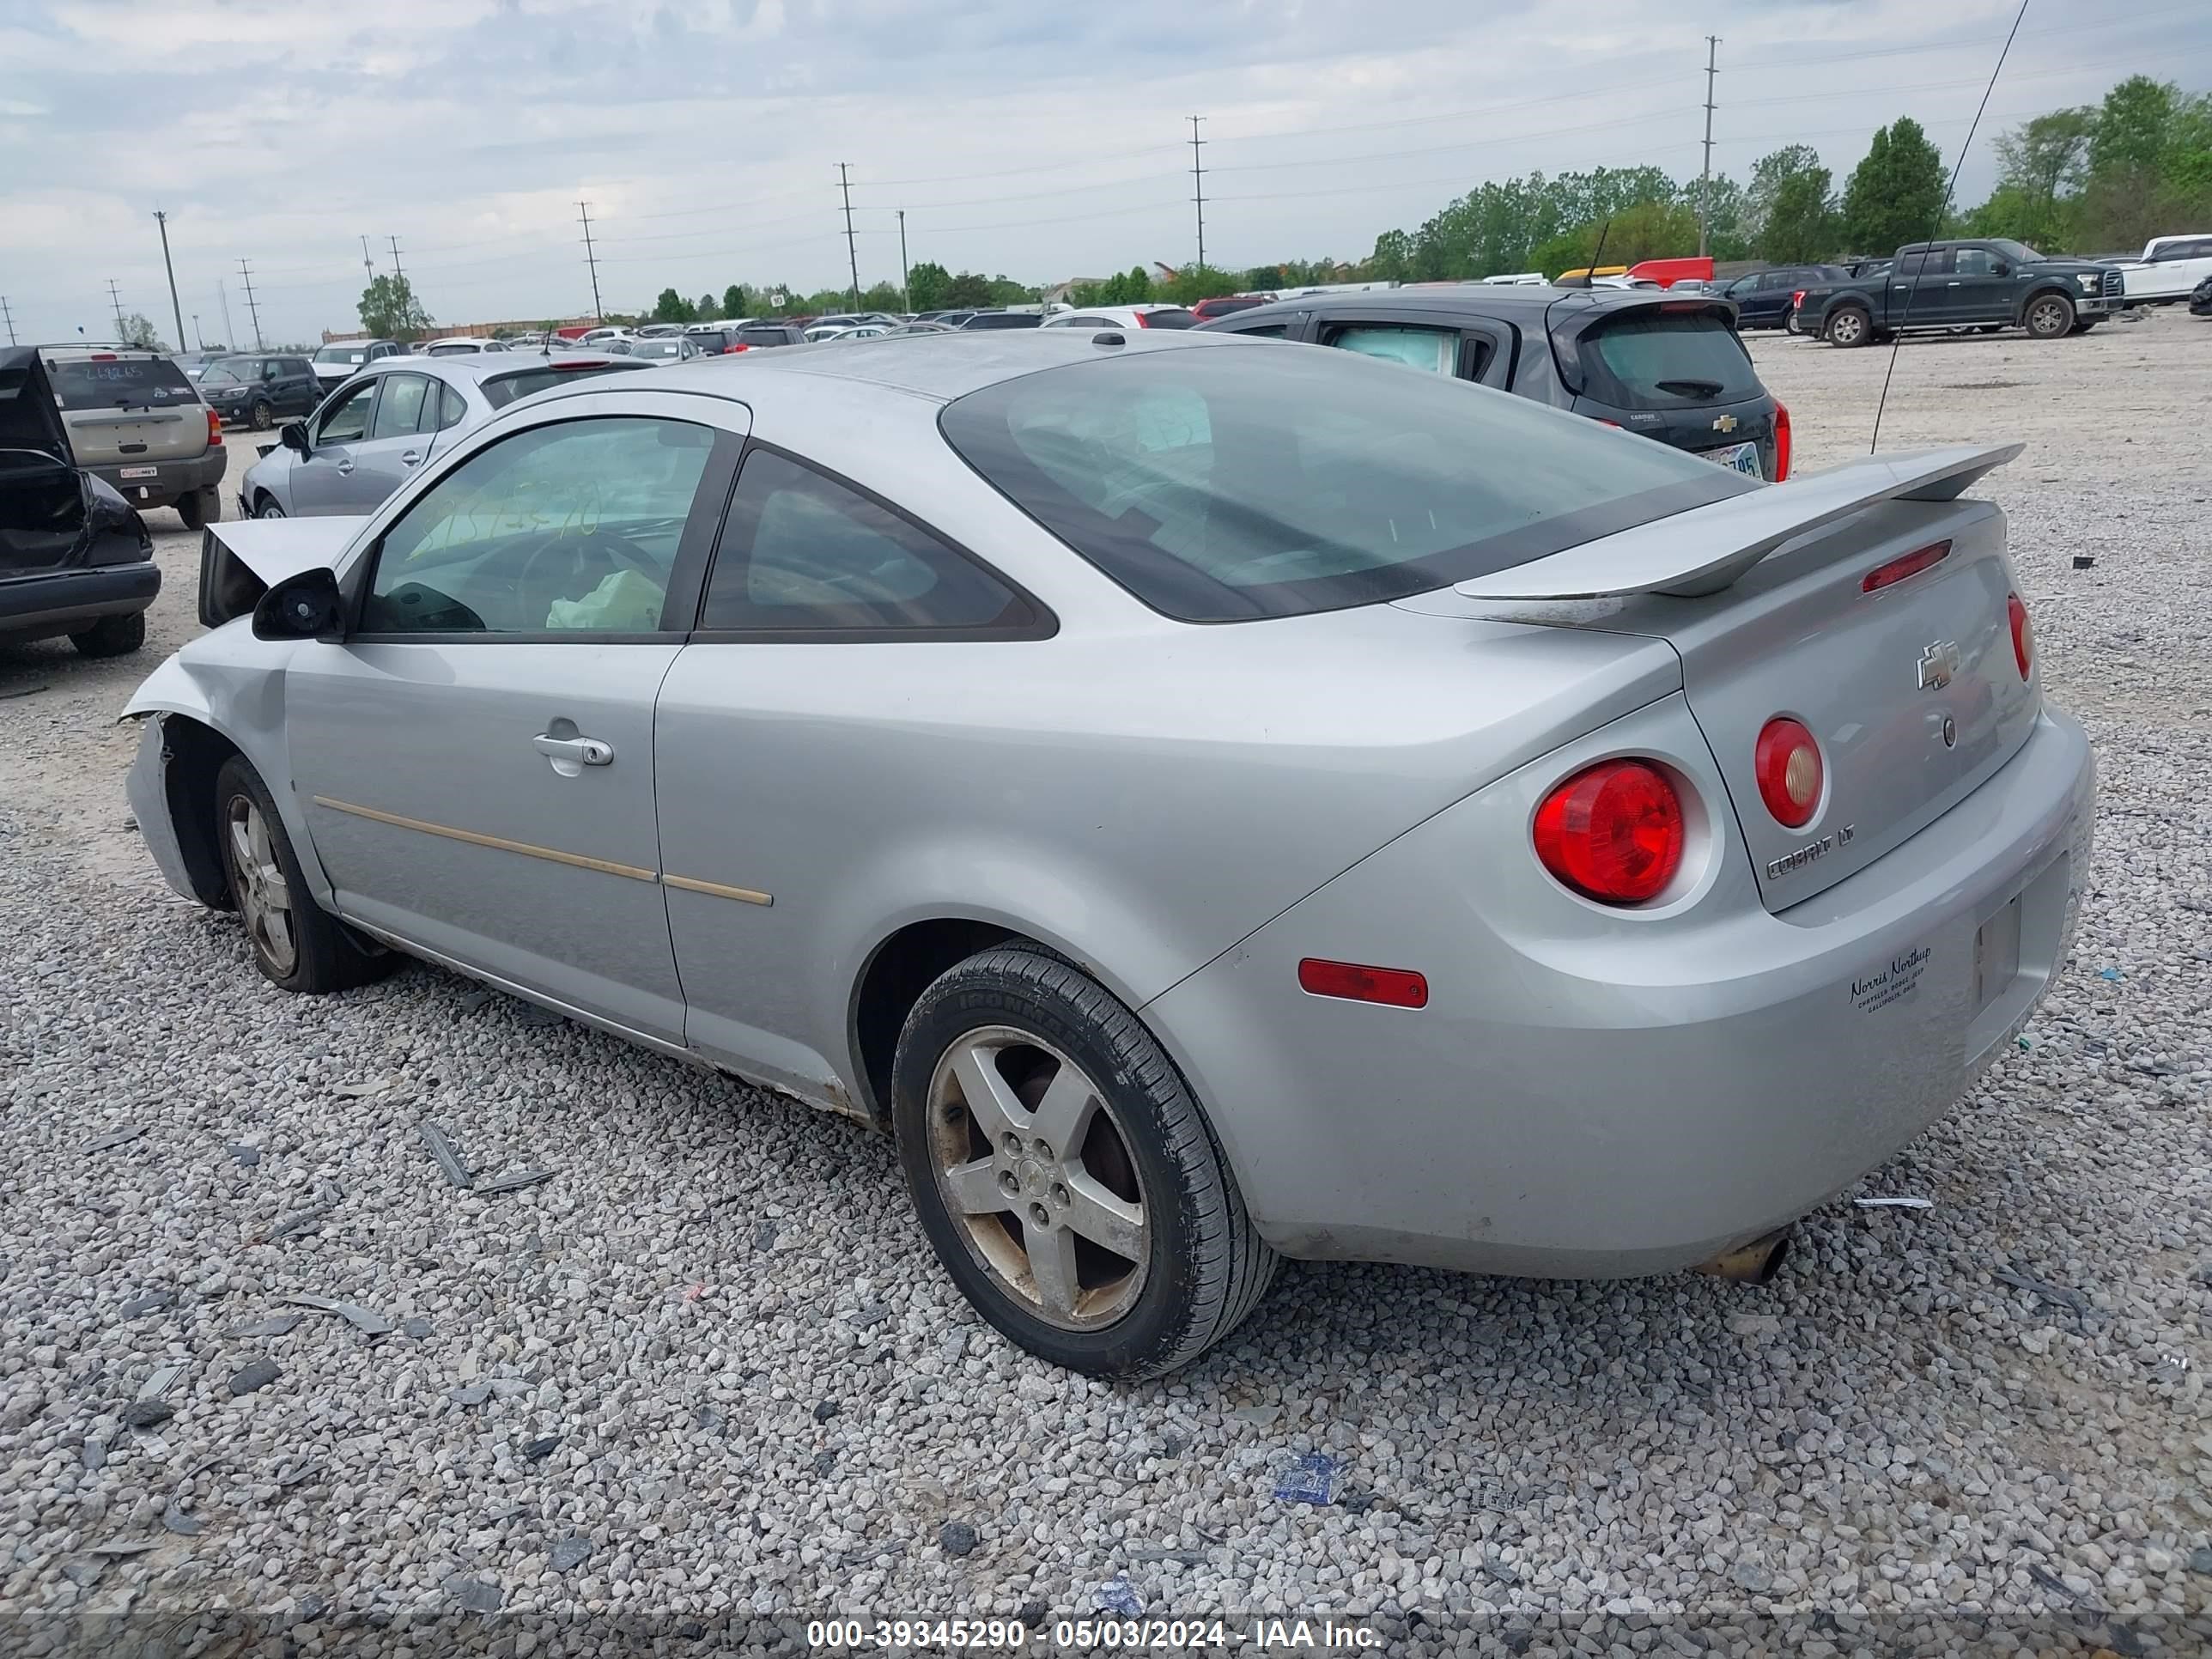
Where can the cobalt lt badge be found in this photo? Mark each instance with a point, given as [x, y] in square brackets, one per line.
[1939, 663]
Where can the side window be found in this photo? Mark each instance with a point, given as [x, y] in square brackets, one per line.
[399, 411]
[346, 420]
[452, 408]
[570, 527]
[1436, 350]
[1974, 262]
[1915, 265]
[1264, 331]
[802, 552]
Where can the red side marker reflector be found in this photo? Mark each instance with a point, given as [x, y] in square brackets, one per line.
[1394, 987]
[1911, 564]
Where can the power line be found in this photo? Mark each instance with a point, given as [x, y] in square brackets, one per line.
[851, 252]
[246, 275]
[1705, 179]
[1198, 187]
[176, 307]
[590, 259]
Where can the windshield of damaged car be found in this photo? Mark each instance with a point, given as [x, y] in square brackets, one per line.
[1248, 480]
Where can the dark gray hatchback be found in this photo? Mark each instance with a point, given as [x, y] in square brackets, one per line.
[1667, 368]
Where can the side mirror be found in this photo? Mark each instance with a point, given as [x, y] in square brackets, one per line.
[2001, 269]
[302, 607]
[293, 437]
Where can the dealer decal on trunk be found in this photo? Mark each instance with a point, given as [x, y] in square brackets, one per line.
[1892, 984]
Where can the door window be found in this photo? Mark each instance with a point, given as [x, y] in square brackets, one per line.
[803, 553]
[568, 527]
[399, 411]
[346, 421]
[1436, 350]
[1974, 262]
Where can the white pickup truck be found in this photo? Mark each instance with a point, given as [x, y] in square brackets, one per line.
[2170, 269]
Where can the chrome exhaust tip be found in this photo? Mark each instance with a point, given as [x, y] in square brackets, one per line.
[1755, 1263]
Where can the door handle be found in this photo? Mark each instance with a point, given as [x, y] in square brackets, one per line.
[345, 469]
[409, 457]
[1951, 284]
[571, 755]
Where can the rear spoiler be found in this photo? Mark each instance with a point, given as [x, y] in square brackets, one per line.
[1705, 549]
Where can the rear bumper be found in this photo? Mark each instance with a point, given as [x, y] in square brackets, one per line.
[69, 601]
[170, 481]
[1586, 1097]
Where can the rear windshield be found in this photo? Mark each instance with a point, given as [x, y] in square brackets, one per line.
[1251, 481]
[126, 383]
[1667, 360]
[501, 390]
[456, 351]
[1168, 319]
[764, 336]
[343, 355]
[707, 339]
[1005, 320]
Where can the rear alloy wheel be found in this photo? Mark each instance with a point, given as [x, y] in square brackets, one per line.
[112, 636]
[1793, 322]
[1063, 1173]
[297, 944]
[1849, 326]
[262, 416]
[2050, 317]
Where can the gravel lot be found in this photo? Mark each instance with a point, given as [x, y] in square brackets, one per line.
[708, 1370]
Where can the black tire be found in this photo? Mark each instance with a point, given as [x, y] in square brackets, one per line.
[263, 416]
[200, 508]
[1204, 1268]
[266, 507]
[112, 636]
[1849, 326]
[2049, 317]
[1990, 328]
[1793, 321]
[326, 955]
[2083, 324]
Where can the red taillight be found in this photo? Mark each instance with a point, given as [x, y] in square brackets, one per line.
[1142, 320]
[1788, 764]
[215, 426]
[1613, 833]
[1394, 987]
[1920, 559]
[1797, 299]
[732, 350]
[2023, 634]
[104, 357]
[1781, 440]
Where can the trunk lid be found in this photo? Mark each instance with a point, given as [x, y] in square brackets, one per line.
[1670, 369]
[1912, 691]
[128, 409]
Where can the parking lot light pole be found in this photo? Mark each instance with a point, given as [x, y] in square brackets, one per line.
[906, 293]
[852, 254]
[176, 310]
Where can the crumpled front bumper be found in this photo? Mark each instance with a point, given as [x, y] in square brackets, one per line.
[147, 788]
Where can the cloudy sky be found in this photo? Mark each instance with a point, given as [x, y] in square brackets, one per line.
[1022, 137]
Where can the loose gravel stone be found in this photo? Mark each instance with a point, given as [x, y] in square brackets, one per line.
[1909, 1435]
[258, 1374]
[957, 1538]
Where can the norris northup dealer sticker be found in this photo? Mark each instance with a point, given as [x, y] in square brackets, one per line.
[1877, 990]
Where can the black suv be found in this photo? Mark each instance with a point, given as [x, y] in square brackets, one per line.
[1763, 299]
[74, 556]
[1667, 368]
[261, 389]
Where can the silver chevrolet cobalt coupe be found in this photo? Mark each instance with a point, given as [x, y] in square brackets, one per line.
[1210, 798]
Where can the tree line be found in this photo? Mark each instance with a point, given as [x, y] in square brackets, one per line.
[2099, 179]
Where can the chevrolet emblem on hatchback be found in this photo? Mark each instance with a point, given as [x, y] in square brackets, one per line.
[1939, 662]
[1724, 423]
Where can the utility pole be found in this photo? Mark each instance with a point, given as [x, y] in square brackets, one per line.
[852, 254]
[245, 275]
[396, 269]
[116, 301]
[230, 334]
[199, 339]
[176, 309]
[8, 316]
[1705, 179]
[906, 293]
[1198, 187]
[590, 259]
[366, 264]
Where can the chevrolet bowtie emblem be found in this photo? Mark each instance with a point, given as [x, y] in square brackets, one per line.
[1725, 424]
[1938, 662]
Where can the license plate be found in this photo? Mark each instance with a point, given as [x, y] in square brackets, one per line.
[1997, 956]
[141, 471]
[1737, 458]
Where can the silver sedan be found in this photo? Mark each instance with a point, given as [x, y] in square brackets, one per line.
[382, 426]
[1211, 799]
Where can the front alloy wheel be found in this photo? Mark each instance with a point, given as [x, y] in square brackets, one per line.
[258, 884]
[2051, 318]
[264, 417]
[1063, 1173]
[297, 944]
[268, 508]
